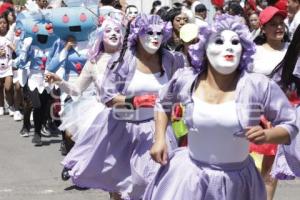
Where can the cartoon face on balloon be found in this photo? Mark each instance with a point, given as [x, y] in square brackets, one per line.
[152, 39]
[76, 22]
[41, 31]
[224, 51]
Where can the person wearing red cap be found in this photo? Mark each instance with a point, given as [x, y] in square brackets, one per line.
[287, 75]
[5, 5]
[271, 43]
[294, 15]
[271, 48]
[218, 3]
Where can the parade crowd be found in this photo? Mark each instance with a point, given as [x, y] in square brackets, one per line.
[166, 105]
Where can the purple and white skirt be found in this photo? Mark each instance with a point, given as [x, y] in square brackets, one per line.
[185, 178]
[113, 155]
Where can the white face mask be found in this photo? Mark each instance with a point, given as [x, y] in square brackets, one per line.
[151, 41]
[112, 36]
[131, 13]
[224, 51]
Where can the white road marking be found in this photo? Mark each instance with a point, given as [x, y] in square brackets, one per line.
[5, 190]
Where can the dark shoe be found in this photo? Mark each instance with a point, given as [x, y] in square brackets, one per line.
[53, 128]
[115, 196]
[37, 139]
[63, 148]
[69, 145]
[65, 174]
[24, 132]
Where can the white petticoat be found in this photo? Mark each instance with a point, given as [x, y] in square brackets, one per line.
[71, 78]
[36, 81]
[78, 115]
[21, 76]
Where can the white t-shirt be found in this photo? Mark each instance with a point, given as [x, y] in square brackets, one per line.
[200, 22]
[212, 140]
[265, 60]
[142, 84]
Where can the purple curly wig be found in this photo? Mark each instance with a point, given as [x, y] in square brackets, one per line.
[144, 23]
[95, 45]
[223, 22]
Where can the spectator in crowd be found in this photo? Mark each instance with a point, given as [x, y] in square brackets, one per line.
[162, 12]
[178, 18]
[254, 25]
[131, 12]
[6, 80]
[200, 15]
[235, 8]
[271, 48]
[156, 5]
[107, 7]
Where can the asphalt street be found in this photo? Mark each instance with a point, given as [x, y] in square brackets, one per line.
[33, 173]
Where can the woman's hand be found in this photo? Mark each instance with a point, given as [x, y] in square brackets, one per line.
[257, 135]
[52, 78]
[159, 152]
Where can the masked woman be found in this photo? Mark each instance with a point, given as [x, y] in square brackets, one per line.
[123, 133]
[79, 115]
[223, 104]
[104, 43]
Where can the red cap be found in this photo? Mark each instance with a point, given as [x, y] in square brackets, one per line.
[281, 5]
[268, 13]
[218, 3]
[4, 7]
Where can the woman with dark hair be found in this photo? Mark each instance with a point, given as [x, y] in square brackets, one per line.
[254, 24]
[273, 40]
[10, 13]
[271, 47]
[178, 18]
[286, 71]
[163, 12]
[6, 72]
[294, 10]
[287, 75]
[155, 7]
[234, 8]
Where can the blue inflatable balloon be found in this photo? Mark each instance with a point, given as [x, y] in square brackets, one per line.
[38, 27]
[77, 22]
